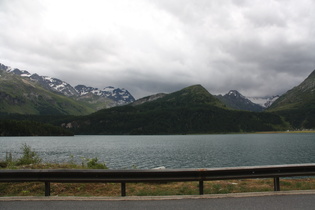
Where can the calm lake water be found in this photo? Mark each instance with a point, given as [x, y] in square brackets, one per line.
[178, 151]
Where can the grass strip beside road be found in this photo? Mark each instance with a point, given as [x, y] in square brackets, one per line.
[155, 189]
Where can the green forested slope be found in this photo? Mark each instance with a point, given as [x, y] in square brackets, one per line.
[298, 104]
[22, 96]
[191, 110]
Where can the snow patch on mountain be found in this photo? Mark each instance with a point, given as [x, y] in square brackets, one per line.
[264, 101]
[22, 73]
[55, 85]
[236, 94]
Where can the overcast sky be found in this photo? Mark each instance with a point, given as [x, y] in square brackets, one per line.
[150, 46]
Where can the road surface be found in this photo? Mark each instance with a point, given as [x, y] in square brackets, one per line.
[279, 200]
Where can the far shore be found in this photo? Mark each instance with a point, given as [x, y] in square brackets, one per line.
[270, 132]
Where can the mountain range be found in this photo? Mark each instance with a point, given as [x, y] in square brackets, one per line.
[195, 110]
[96, 99]
[191, 110]
[88, 110]
[43, 94]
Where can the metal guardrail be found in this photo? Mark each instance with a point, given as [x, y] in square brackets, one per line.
[164, 175]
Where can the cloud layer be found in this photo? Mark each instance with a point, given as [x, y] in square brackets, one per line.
[151, 46]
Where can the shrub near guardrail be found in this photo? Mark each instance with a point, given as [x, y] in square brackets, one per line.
[30, 159]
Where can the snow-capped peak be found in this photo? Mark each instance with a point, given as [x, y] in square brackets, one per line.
[120, 96]
[22, 73]
[5, 68]
[235, 93]
[109, 89]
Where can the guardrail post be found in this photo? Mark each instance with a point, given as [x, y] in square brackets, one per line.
[123, 189]
[200, 187]
[276, 184]
[47, 188]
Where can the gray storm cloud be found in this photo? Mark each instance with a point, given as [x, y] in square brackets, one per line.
[152, 46]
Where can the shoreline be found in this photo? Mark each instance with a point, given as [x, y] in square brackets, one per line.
[275, 132]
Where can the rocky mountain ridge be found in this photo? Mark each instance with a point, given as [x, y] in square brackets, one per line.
[120, 96]
[117, 95]
[233, 99]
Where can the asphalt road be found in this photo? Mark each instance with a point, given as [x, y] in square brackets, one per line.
[271, 201]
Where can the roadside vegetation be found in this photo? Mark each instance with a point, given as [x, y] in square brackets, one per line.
[31, 160]
[153, 189]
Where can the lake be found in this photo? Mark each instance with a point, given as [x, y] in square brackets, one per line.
[171, 151]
